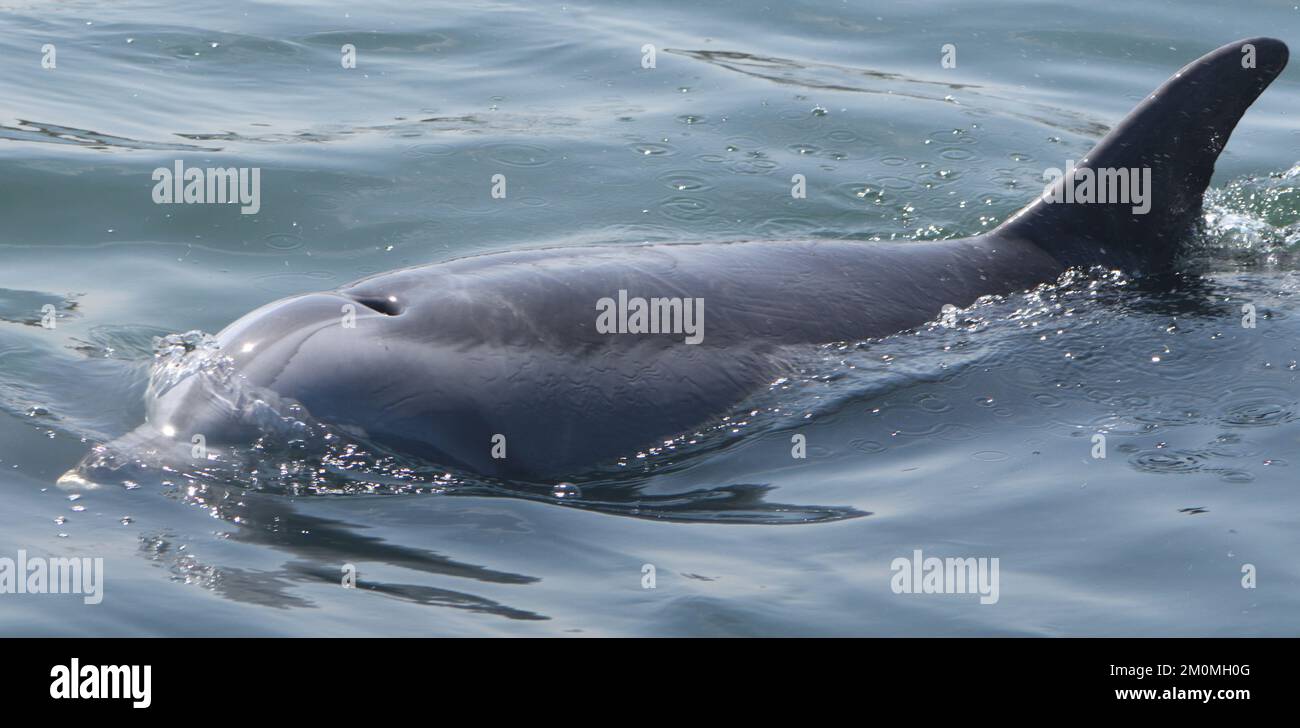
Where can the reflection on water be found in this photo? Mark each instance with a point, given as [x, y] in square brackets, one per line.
[317, 547]
[34, 131]
[823, 76]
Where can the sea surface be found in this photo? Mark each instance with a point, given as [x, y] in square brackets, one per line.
[974, 437]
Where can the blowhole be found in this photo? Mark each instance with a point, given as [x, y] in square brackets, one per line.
[386, 305]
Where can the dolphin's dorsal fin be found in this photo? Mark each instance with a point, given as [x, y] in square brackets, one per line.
[1177, 133]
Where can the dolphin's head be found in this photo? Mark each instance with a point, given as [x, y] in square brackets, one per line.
[255, 381]
[312, 350]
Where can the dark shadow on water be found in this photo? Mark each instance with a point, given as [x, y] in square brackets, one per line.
[740, 503]
[320, 548]
[37, 131]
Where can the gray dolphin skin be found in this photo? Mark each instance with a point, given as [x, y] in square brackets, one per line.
[442, 358]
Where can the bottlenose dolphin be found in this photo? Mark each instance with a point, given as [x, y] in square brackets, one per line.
[569, 358]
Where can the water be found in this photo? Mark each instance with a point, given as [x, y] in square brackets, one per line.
[969, 438]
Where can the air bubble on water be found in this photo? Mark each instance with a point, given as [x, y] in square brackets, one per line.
[566, 491]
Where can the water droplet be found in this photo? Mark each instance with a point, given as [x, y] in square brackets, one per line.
[566, 491]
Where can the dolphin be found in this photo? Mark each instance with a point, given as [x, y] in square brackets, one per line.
[538, 365]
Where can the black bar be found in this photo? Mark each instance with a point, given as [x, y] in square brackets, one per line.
[303, 677]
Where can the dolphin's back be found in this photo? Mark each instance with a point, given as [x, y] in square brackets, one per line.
[753, 293]
[508, 344]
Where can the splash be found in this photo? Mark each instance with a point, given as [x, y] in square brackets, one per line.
[1252, 222]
